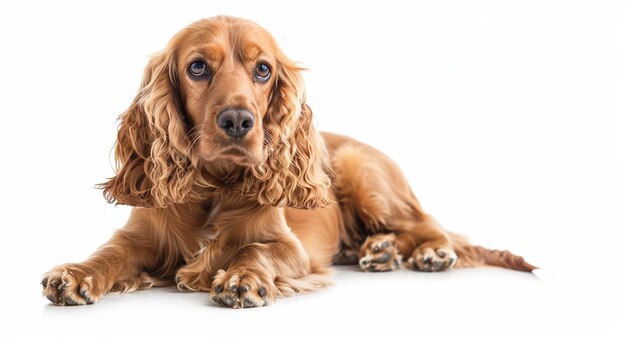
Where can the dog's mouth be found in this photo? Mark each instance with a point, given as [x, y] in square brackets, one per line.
[237, 154]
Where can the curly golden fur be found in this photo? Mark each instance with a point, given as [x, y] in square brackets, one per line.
[157, 163]
[247, 210]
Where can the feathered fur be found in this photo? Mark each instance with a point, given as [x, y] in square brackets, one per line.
[256, 216]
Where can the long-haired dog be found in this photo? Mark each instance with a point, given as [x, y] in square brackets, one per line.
[237, 194]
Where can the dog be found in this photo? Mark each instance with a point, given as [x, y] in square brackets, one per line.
[235, 193]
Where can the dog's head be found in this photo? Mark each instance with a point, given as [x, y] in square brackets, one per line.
[222, 98]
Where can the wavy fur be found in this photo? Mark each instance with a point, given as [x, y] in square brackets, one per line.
[248, 217]
[154, 162]
[156, 165]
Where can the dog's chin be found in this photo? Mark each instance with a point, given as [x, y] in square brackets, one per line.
[236, 155]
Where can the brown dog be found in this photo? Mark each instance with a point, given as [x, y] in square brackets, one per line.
[237, 194]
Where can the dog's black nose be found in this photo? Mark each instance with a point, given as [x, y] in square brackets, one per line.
[235, 122]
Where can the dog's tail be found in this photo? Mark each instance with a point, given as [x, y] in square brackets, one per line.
[319, 278]
[471, 256]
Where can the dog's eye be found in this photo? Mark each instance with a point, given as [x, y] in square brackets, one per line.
[262, 72]
[198, 69]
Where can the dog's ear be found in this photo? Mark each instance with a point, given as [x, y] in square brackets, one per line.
[296, 173]
[151, 154]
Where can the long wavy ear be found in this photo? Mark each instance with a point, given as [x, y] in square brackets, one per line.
[296, 173]
[153, 168]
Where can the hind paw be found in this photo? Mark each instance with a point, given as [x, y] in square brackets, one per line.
[380, 254]
[427, 258]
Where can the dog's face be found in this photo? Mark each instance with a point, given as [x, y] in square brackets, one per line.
[221, 104]
[226, 78]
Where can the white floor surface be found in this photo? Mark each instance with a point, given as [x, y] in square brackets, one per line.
[507, 118]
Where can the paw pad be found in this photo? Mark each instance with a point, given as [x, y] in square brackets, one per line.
[427, 259]
[241, 288]
[380, 254]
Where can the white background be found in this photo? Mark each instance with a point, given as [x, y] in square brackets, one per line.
[507, 117]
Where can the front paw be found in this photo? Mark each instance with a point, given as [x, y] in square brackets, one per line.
[243, 288]
[427, 258]
[71, 284]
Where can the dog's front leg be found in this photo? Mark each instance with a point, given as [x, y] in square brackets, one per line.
[262, 271]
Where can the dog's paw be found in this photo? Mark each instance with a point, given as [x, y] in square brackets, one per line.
[432, 259]
[71, 284]
[379, 253]
[243, 288]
